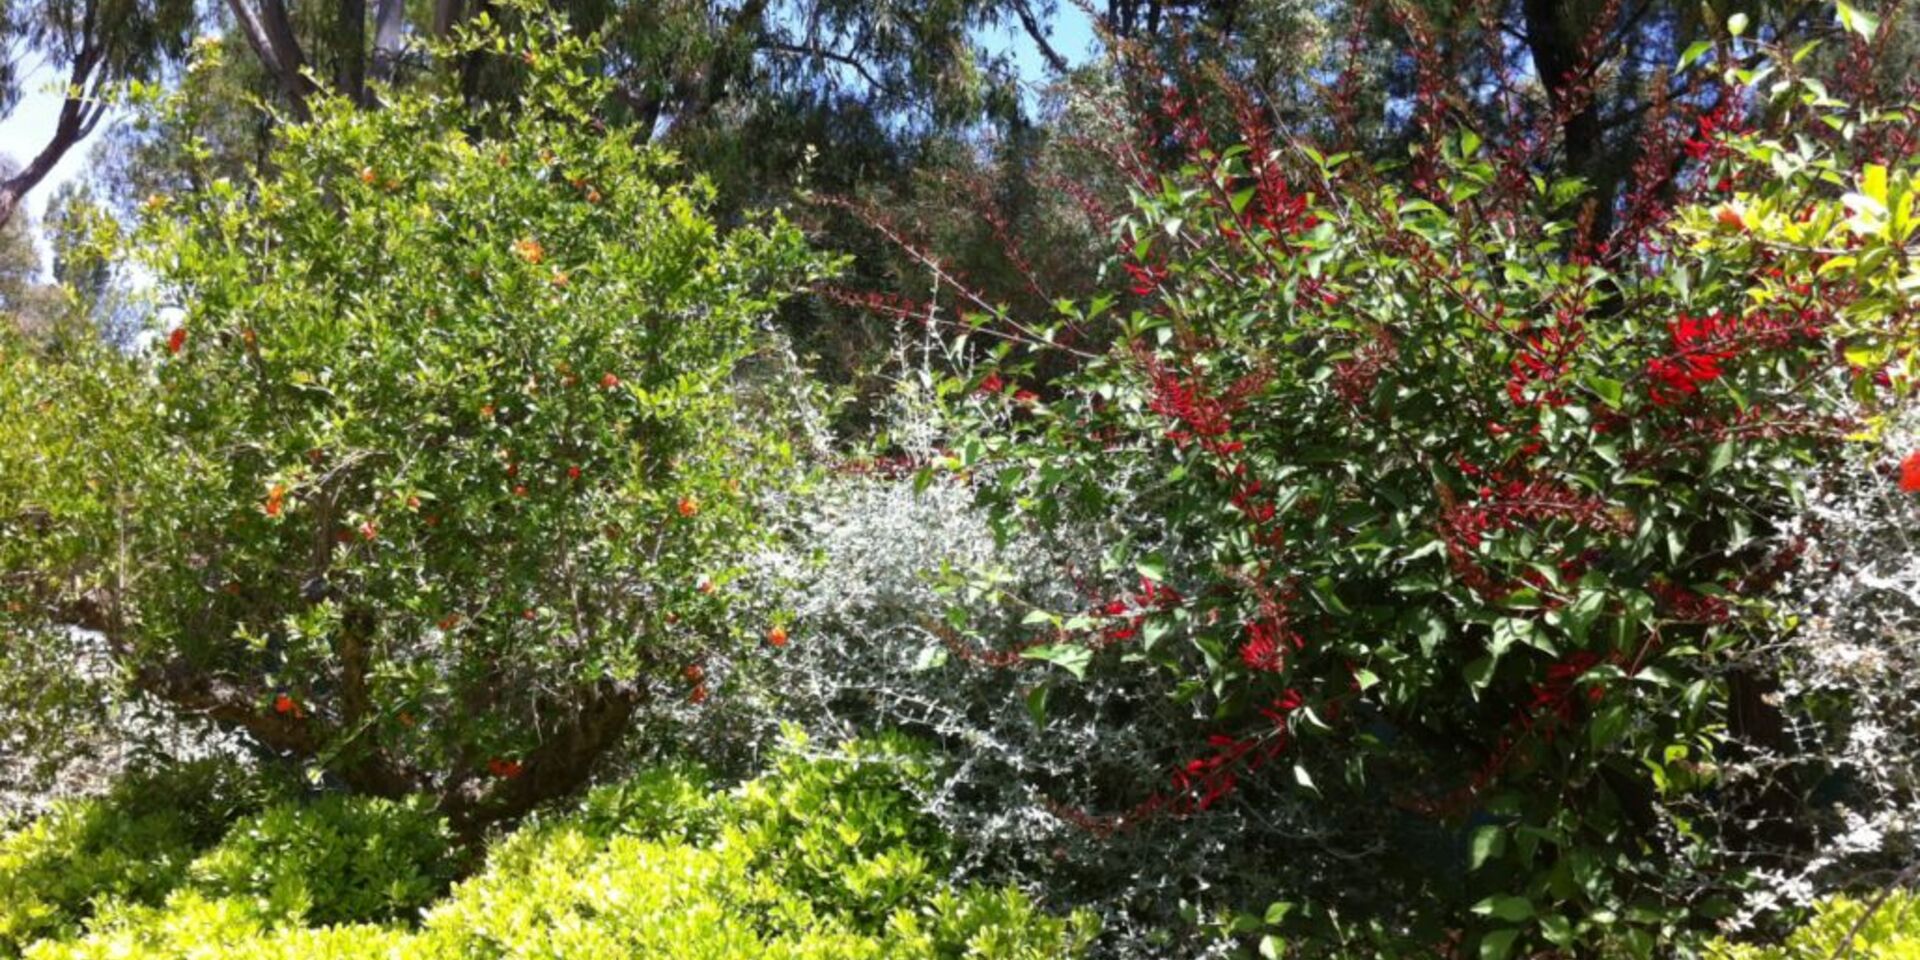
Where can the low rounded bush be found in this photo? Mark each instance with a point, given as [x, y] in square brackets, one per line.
[1885, 930]
[131, 845]
[337, 859]
[824, 858]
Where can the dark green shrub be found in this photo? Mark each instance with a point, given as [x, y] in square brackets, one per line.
[337, 859]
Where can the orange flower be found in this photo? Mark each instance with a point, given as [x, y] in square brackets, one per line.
[367, 175]
[1729, 216]
[559, 278]
[413, 503]
[449, 621]
[609, 381]
[689, 505]
[274, 496]
[529, 249]
[520, 490]
[694, 672]
[777, 636]
[1910, 473]
[593, 196]
[704, 586]
[699, 694]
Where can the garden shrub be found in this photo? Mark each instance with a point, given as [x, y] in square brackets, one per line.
[333, 859]
[133, 845]
[1891, 932]
[436, 477]
[1452, 520]
[821, 859]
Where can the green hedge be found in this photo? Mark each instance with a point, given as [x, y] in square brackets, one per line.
[824, 857]
[132, 845]
[1891, 933]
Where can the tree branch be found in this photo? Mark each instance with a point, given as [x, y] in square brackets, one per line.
[79, 113]
[1031, 24]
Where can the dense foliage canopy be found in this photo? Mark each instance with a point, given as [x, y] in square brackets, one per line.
[1369, 480]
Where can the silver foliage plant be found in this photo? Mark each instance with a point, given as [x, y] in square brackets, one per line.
[1848, 670]
[897, 594]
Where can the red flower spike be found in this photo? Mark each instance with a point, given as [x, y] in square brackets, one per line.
[176, 340]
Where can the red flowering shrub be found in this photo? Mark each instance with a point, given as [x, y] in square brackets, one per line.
[1464, 513]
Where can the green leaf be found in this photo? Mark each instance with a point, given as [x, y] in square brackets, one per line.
[1866, 25]
[1153, 568]
[1509, 908]
[1070, 657]
[1694, 51]
[1487, 842]
[1608, 389]
[1722, 456]
[1037, 704]
[1498, 944]
[1305, 780]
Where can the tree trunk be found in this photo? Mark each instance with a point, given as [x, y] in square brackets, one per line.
[270, 34]
[350, 50]
[559, 767]
[389, 23]
[1555, 44]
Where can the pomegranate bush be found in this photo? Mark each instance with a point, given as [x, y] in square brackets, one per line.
[1444, 513]
[429, 480]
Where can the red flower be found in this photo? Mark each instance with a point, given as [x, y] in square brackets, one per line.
[609, 381]
[573, 473]
[699, 694]
[1262, 651]
[274, 503]
[1025, 397]
[504, 769]
[777, 636]
[287, 706]
[1910, 473]
[688, 506]
[177, 339]
[992, 384]
[368, 531]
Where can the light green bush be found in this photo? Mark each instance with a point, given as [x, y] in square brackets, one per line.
[1891, 933]
[824, 858]
[336, 859]
[133, 844]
